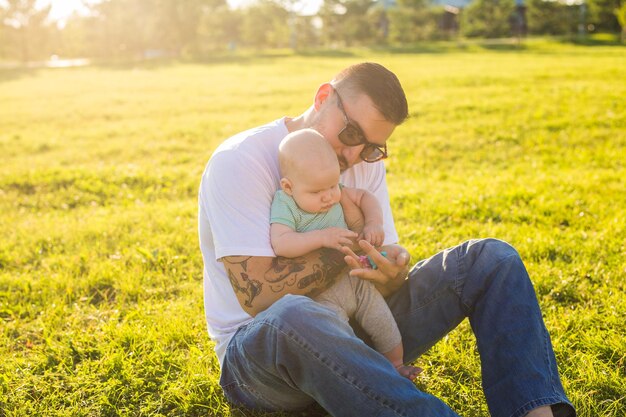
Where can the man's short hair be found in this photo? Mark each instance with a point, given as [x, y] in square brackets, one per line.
[380, 85]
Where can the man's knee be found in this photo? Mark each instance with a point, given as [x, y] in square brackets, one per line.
[493, 260]
[495, 267]
[491, 251]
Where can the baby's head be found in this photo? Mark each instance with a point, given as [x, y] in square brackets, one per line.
[309, 170]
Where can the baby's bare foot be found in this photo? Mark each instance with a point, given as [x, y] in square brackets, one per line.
[408, 371]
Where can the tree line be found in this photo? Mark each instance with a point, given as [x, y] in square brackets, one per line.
[198, 28]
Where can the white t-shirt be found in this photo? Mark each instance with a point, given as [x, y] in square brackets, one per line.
[235, 197]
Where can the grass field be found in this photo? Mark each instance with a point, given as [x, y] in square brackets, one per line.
[101, 275]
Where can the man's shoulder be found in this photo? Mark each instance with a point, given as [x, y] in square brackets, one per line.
[255, 139]
[252, 151]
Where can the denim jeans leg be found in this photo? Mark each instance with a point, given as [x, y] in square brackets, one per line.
[486, 281]
[299, 351]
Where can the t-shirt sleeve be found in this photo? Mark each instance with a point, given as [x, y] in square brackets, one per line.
[236, 196]
[281, 211]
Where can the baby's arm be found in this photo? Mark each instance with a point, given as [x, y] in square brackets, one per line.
[373, 230]
[290, 244]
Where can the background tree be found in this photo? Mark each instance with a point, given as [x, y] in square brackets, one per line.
[264, 25]
[304, 28]
[303, 32]
[487, 18]
[552, 17]
[602, 14]
[219, 28]
[122, 28]
[4, 38]
[620, 14]
[412, 21]
[25, 29]
[359, 25]
[332, 13]
[349, 22]
[77, 38]
[194, 28]
[178, 23]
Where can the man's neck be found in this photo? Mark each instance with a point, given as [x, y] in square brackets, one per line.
[300, 122]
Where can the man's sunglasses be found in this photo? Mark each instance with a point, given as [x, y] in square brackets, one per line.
[352, 135]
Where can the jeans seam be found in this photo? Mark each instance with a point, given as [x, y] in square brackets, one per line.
[546, 356]
[533, 404]
[310, 352]
[459, 284]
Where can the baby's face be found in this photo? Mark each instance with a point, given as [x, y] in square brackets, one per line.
[316, 191]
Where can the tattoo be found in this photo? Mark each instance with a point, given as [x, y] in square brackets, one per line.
[243, 263]
[325, 275]
[286, 272]
[251, 287]
[313, 278]
[283, 272]
[332, 259]
[283, 267]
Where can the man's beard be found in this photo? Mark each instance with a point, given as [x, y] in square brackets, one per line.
[343, 164]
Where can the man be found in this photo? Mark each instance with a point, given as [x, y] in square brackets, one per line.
[279, 350]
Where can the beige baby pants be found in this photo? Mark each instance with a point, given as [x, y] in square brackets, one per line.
[359, 299]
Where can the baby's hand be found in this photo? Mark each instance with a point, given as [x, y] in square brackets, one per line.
[337, 237]
[374, 234]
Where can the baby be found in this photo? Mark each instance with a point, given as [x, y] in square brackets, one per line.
[307, 215]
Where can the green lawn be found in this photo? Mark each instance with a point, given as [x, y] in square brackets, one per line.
[101, 275]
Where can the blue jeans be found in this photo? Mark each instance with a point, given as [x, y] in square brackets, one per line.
[298, 351]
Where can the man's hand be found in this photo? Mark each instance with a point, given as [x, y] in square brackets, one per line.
[336, 237]
[392, 270]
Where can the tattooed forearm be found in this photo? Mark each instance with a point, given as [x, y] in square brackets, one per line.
[260, 281]
[293, 271]
[250, 287]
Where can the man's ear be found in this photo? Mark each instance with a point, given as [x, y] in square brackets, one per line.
[285, 184]
[322, 94]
